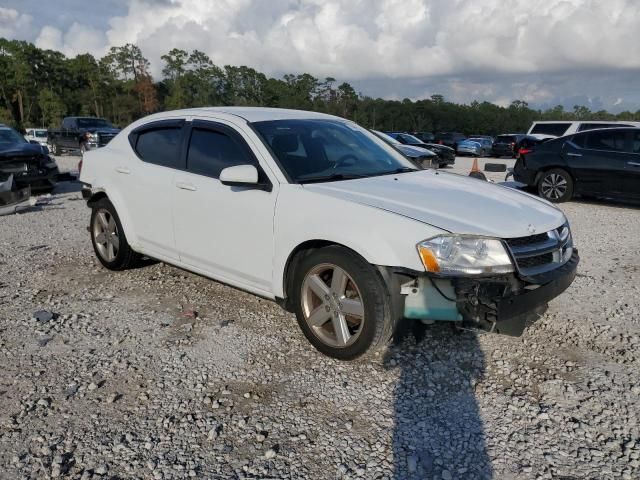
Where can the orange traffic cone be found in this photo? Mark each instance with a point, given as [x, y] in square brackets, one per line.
[475, 171]
[475, 167]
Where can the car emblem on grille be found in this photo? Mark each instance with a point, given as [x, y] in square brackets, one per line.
[531, 229]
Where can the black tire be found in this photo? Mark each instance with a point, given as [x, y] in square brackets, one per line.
[556, 185]
[125, 257]
[377, 327]
[54, 149]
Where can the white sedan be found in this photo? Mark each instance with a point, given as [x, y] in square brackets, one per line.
[320, 215]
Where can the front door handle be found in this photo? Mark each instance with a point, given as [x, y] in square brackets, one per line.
[124, 170]
[574, 154]
[635, 164]
[186, 186]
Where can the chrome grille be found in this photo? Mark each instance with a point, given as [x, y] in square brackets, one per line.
[105, 138]
[542, 252]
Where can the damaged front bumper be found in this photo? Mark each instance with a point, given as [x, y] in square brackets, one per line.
[503, 304]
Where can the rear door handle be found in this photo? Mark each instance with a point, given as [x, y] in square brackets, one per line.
[635, 164]
[124, 170]
[574, 154]
[186, 186]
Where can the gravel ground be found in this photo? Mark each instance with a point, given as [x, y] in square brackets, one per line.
[127, 381]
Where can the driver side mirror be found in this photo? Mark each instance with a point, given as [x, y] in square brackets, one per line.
[242, 176]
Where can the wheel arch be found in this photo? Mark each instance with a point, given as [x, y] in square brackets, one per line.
[543, 169]
[301, 250]
[122, 214]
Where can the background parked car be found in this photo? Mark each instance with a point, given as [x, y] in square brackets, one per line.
[426, 137]
[480, 147]
[603, 162]
[553, 129]
[36, 135]
[29, 164]
[450, 139]
[422, 157]
[506, 145]
[446, 155]
[81, 134]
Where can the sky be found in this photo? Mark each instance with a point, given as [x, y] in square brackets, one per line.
[546, 52]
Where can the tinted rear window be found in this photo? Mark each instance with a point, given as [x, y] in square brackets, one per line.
[160, 146]
[505, 139]
[555, 129]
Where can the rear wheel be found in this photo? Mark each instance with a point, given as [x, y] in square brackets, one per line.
[53, 148]
[109, 241]
[556, 185]
[341, 303]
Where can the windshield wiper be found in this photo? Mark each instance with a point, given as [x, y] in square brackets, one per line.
[397, 170]
[330, 178]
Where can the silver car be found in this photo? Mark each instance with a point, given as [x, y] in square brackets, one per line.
[479, 147]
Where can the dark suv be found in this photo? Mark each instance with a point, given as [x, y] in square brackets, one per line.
[600, 163]
[507, 145]
[450, 139]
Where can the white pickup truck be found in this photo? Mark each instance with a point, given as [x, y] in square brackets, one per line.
[322, 216]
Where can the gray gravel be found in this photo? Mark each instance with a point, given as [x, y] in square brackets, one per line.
[156, 373]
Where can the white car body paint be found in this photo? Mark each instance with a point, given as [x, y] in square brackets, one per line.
[248, 239]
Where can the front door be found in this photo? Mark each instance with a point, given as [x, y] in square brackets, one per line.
[223, 231]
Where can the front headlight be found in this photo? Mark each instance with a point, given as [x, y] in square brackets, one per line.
[464, 255]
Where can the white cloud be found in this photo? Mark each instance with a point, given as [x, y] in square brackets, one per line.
[390, 38]
[486, 49]
[14, 24]
[77, 39]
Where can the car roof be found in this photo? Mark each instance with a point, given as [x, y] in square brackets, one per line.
[251, 114]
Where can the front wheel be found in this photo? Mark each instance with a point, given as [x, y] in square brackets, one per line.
[341, 303]
[53, 148]
[556, 185]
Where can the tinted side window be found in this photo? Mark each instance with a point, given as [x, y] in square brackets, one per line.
[555, 129]
[611, 141]
[635, 142]
[210, 152]
[593, 126]
[160, 146]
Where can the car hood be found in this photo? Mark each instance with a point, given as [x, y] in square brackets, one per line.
[18, 150]
[454, 203]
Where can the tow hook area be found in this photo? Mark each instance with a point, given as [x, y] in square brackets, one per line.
[430, 299]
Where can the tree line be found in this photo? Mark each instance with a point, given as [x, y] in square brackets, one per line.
[38, 87]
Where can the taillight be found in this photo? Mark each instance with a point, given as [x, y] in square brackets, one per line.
[440, 142]
[524, 151]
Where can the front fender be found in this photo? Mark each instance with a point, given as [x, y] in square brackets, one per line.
[380, 237]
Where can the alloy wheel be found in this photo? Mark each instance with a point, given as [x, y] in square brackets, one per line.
[332, 305]
[554, 186]
[106, 235]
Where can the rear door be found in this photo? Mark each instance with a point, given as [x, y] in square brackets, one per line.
[632, 184]
[598, 161]
[147, 184]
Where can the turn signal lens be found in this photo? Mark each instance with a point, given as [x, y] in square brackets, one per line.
[428, 259]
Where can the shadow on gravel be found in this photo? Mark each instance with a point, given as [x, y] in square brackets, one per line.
[438, 432]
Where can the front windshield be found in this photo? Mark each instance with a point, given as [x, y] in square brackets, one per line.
[93, 123]
[386, 138]
[328, 150]
[410, 139]
[9, 136]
